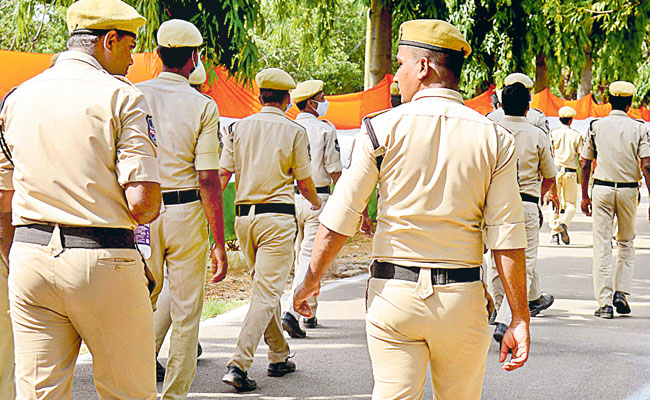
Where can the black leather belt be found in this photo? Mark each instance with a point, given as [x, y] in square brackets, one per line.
[181, 196]
[529, 198]
[264, 208]
[616, 184]
[570, 170]
[77, 236]
[319, 190]
[439, 276]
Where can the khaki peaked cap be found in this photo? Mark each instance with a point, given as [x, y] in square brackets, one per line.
[519, 77]
[274, 79]
[306, 90]
[394, 89]
[433, 34]
[103, 15]
[179, 33]
[566, 112]
[622, 89]
[198, 76]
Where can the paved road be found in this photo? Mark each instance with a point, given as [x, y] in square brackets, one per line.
[574, 355]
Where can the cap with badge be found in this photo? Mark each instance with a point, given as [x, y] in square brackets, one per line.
[306, 90]
[519, 77]
[274, 79]
[433, 34]
[179, 33]
[198, 76]
[622, 89]
[394, 89]
[91, 15]
[566, 112]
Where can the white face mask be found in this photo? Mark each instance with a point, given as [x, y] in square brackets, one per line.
[321, 108]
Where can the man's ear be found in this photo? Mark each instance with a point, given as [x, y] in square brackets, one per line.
[423, 67]
[109, 40]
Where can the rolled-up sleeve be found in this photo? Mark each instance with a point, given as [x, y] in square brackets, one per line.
[332, 158]
[206, 152]
[301, 163]
[342, 212]
[136, 153]
[504, 213]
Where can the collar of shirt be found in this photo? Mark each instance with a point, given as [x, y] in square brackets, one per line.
[272, 110]
[618, 112]
[173, 77]
[305, 115]
[515, 118]
[79, 56]
[448, 94]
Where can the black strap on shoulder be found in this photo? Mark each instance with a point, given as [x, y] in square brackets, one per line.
[3, 142]
[373, 139]
[592, 137]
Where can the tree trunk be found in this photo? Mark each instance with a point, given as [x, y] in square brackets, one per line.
[585, 77]
[541, 73]
[378, 42]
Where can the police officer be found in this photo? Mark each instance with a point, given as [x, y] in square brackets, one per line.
[266, 152]
[534, 158]
[84, 172]
[198, 76]
[535, 116]
[187, 124]
[395, 98]
[617, 142]
[425, 296]
[566, 143]
[326, 169]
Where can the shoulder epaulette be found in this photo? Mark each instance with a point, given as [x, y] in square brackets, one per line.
[639, 120]
[329, 123]
[374, 114]
[538, 110]
[123, 79]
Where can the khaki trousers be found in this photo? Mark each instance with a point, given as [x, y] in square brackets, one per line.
[607, 203]
[447, 330]
[531, 219]
[493, 281]
[179, 238]
[61, 296]
[267, 242]
[307, 228]
[7, 385]
[567, 188]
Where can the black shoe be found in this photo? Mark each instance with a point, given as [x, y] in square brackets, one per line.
[555, 239]
[292, 326]
[541, 304]
[564, 234]
[281, 368]
[620, 302]
[238, 379]
[310, 323]
[160, 372]
[606, 312]
[493, 317]
[199, 350]
[499, 331]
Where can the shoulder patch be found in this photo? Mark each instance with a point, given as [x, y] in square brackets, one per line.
[152, 130]
[336, 145]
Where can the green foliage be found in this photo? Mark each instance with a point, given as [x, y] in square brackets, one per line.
[37, 27]
[214, 307]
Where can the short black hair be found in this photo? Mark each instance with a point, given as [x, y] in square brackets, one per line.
[302, 104]
[565, 120]
[175, 57]
[620, 102]
[272, 95]
[87, 38]
[515, 99]
[452, 60]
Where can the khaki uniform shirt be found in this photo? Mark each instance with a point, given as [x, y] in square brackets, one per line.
[77, 135]
[266, 151]
[324, 148]
[533, 154]
[187, 126]
[535, 117]
[448, 184]
[617, 141]
[566, 143]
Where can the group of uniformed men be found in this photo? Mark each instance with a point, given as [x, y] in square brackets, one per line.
[88, 157]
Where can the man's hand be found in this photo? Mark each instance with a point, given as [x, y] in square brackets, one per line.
[586, 206]
[367, 227]
[318, 205]
[219, 263]
[517, 338]
[303, 293]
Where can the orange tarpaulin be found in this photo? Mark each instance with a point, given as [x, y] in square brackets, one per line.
[345, 111]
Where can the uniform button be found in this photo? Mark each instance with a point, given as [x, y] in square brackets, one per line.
[117, 268]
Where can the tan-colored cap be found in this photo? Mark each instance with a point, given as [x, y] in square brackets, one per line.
[519, 77]
[103, 15]
[306, 90]
[179, 33]
[274, 78]
[394, 89]
[198, 76]
[622, 89]
[566, 112]
[433, 34]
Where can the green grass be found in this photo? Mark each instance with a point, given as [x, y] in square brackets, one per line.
[212, 308]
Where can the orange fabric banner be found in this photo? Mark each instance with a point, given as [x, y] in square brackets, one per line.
[345, 111]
